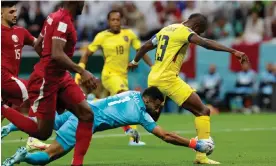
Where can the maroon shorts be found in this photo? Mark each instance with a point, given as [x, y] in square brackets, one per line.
[14, 89]
[46, 93]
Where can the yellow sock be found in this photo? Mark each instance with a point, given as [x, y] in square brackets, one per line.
[202, 125]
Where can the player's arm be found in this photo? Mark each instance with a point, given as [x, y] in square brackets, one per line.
[38, 45]
[33, 42]
[92, 47]
[147, 59]
[59, 56]
[149, 123]
[149, 45]
[136, 44]
[171, 137]
[213, 45]
[82, 63]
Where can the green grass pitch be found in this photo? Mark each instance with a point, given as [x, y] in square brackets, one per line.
[241, 140]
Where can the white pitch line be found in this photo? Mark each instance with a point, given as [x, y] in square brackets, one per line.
[146, 134]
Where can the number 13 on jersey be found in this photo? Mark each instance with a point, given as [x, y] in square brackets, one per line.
[161, 49]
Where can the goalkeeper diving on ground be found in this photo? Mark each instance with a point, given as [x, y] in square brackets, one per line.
[127, 108]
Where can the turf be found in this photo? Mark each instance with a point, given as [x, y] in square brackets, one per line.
[242, 140]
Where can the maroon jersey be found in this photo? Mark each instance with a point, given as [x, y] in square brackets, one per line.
[12, 41]
[58, 25]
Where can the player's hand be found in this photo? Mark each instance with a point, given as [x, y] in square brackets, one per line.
[78, 78]
[88, 80]
[131, 66]
[241, 57]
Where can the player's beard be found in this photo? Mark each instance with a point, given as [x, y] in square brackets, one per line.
[153, 113]
[11, 23]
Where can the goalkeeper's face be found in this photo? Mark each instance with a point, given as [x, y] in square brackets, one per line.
[153, 107]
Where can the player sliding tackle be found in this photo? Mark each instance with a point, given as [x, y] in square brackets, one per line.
[126, 108]
[171, 45]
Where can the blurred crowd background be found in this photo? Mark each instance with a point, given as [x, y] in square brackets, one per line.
[250, 21]
[245, 24]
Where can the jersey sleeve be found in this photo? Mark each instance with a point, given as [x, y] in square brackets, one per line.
[97, 42]
[135, 42]
[147, 122]
[61, 30]
[28, 38]
[186, 34]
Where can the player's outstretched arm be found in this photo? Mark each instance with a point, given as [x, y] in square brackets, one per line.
[170, 137]
[213, 45]
[141, 53]
[58, 55]
[82, 64]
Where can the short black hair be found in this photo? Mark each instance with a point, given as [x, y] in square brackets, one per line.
[8, 3]
[154, 93]
[113, 11]
[199, 18]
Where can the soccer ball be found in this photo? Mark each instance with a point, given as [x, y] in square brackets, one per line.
[211, 145]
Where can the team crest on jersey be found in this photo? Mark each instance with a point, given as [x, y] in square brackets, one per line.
[126, 38]
[15, 38]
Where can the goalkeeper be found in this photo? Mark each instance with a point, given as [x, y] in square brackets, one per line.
[126, 108]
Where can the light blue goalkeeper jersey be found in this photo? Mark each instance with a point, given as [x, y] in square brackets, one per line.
[123, 109]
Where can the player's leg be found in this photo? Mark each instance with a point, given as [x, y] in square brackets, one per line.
[56, 150]
[80, 108]
[185, 96]
[43, 101]
[41, 128]
[202, 123]
[51, 153]
[14, 90]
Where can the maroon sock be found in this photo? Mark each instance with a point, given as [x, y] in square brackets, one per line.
[83, 138]
[19, 120]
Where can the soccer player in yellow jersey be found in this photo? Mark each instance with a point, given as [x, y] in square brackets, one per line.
[115, 44]
[171, 45]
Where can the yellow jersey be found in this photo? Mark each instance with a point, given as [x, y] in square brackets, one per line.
[172, 44]
[116, 49]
